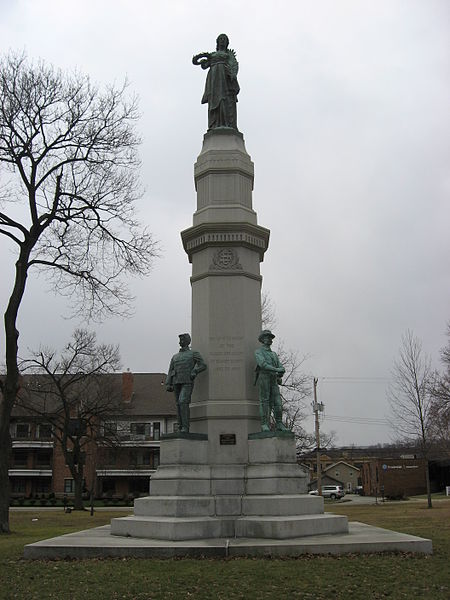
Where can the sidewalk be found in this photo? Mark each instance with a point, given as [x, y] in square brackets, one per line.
[61, 508]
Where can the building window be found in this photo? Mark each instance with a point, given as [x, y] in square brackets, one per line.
[175, 427]
[110, 428]
[108, 485]
[156, 460]
[111, 457]
[139, 485]
[69, 486]
[44, 431]
[133, 458]
[141, 430]
[44, 460]
[337, 474]
[17, 485]
[156, 430]
[41, 486]
[20, 458]
[22, 430]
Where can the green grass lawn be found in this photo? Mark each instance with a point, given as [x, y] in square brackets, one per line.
[365, 577]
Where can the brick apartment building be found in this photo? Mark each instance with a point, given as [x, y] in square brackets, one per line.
[143, 412]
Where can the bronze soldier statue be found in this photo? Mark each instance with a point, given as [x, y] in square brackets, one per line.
[269, 372]
[183, 369]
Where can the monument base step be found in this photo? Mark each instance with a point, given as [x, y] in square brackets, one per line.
[191, 528]
[99, 543]
[228, 505]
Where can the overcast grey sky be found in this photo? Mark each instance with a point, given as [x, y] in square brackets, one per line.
[344, 108]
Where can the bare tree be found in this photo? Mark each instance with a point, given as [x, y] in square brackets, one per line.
[440, 401]
[73, 394]
[410, 398]
[295, 390]
[268, 312]
[68, 174]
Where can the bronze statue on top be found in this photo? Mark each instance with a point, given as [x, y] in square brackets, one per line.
[222, 86]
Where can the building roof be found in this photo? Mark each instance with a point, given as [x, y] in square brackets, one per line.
[340, 462]
[132, 395]
[149, 396]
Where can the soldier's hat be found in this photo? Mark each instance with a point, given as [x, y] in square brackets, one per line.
[265, 332]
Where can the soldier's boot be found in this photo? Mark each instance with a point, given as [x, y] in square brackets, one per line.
[184, 414]
[279, 420]
[264, 410]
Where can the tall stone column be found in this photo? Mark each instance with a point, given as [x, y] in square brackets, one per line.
[225, 246]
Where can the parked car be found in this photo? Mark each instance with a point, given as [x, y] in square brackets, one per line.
[330, 491]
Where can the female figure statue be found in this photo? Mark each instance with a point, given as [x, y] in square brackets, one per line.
[222, 86]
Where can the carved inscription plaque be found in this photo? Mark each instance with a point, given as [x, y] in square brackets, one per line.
[226, 354]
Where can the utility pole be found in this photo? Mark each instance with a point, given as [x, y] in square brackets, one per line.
[317, 407]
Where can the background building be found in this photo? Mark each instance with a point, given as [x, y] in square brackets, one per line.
[122, 466]
[394, 478]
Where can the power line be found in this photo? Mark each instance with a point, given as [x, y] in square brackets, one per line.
[351, 379]
[360, 420]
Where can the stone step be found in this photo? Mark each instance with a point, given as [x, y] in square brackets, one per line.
[174, 506]
[210, 506]
[279, 505]
[173, 528]
[278, 528]
[285, 527]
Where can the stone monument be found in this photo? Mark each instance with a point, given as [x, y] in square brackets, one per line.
[226, 477]
[227, 483]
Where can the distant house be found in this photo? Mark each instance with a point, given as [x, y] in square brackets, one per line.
[310, 462]
[346, 473]
[325, 480]
[340, 473]
[143, 412]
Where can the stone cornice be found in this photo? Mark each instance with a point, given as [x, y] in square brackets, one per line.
[205, 235]
[227, 274]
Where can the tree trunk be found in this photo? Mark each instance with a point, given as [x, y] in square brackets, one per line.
[10, 385]
[427, 476]
[78, 498]
[77, 470]
[5, 453]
